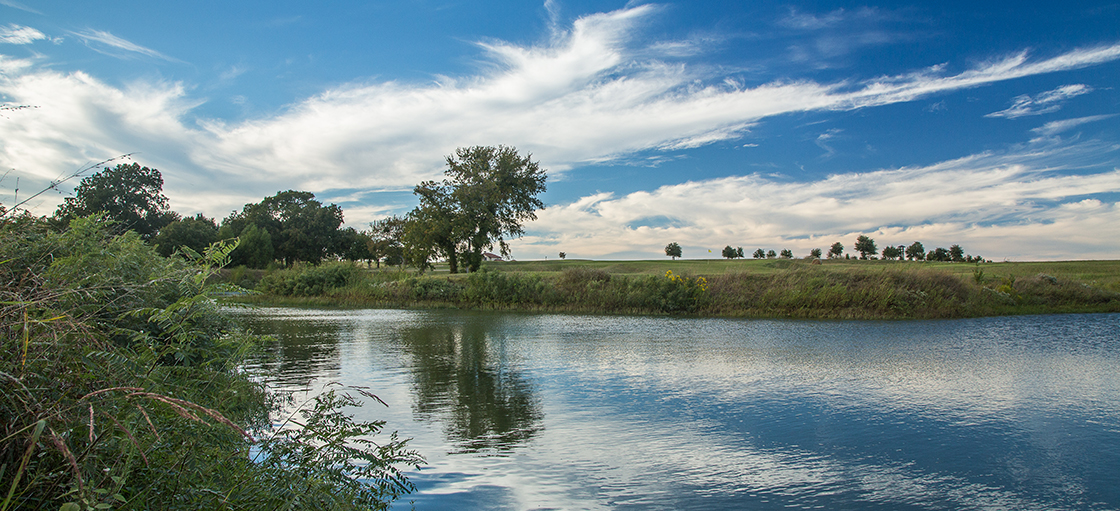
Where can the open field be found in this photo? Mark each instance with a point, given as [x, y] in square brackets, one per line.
[738, 288]
[1102, 274]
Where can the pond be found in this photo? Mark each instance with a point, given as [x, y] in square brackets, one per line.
[521, 411]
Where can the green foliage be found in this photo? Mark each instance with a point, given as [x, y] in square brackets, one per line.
[767, 288]
[956, 254]
[836, 250]
[195, 233]
[434, 289]
[815, 253]
[299, 227]
[916, 252]
[673, 250]
[488, 287]
[891, 252]
[329, 461]
[254, 248]
[130, 195]
[866, 247]
[121, 388]
[732, 253]
[786, 254]
[759, 254]
[386, 240]
[488, 194]
[310, 280]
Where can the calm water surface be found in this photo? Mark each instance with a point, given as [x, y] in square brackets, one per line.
[517, 411]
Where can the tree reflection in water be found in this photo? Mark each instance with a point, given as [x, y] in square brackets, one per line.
[464, 379]
[304, 349]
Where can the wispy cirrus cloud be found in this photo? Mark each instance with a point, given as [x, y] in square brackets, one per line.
[1044, 103]
[16, 5]
[16, 34]
[108, 44]
[1055, 127]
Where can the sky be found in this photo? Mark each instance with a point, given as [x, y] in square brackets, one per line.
[774, 125]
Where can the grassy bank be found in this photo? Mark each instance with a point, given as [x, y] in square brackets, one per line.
[741, 288]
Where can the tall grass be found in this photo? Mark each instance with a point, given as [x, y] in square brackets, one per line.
[766, 288]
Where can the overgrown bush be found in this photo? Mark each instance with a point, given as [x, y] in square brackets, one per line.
[497, 288]
[311, 280]
[121, 388]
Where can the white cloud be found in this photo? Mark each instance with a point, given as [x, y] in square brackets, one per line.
[16, 34]
[1055, 127]
[822, 141]
[17, 5]
[1049, 101]
[586, 95]
[106, 43]
[808, 21]
[998, 205]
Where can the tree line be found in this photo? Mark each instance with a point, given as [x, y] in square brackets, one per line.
[488, 193]
[864, 245]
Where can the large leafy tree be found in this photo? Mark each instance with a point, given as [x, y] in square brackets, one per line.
[386, 240]
[195, 233]
[489, 192]
[128, 194]
[866, 247]
[673, 250]
[892, 252]
[916, 251]
[433, 229]
[956, 254]
[300, 227]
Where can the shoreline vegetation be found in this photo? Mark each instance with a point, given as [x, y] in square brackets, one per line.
[122, 386]
[767, 288]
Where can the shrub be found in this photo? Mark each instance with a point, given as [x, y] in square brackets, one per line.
[311, 280]
[121, 388]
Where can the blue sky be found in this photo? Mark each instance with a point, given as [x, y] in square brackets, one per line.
[756, 124]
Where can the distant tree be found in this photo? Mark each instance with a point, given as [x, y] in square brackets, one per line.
[759, 254]
[916, 252]
[129, 194]
[254, 248]
[195, 233]
[865, 246]
[815, 253]
[739, 252]
[770, 254]
[890, 252]
[729, 252]
[836, 250]
[386, 240]
[787, 254]
[563, 255]
[938, 254]
[673, 250]
[300, 227]
[956, 254]
[353, 245]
